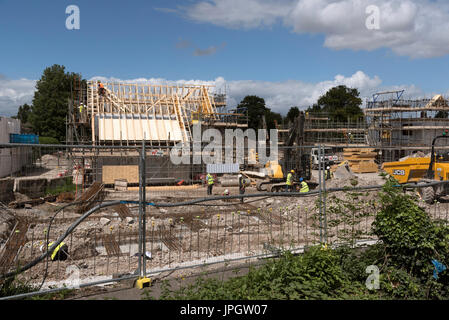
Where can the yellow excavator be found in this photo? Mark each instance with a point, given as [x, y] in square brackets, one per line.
[294, 158]
[424, 170]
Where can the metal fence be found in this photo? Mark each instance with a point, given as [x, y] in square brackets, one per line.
[113, 234]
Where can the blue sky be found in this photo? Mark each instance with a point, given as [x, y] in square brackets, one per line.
[263, 47]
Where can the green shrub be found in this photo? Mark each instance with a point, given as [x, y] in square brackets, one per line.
[48, 140]
[68, 186]
[12, 286]
[317, 274]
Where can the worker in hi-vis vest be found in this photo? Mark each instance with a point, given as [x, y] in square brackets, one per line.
[59, 253]
[289, 181]
[210, 183]
[329, 175]
[241, 186]
[304, 185]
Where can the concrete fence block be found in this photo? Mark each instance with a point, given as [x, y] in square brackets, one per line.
[6, 190]
[33, 188]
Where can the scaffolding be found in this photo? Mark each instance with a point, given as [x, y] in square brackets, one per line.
[405, 126]
[126, 113]
[319, 128]
[77, 121]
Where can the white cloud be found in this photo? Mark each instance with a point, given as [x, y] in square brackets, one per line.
[414, 28]
[279, 96]
[14, 93]
[239, 14]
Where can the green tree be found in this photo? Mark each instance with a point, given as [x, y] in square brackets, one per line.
[292, 114]
[441, 115]
[340, 103]
[23, 113]
[50, 100]
[255, 106]
[272, 118]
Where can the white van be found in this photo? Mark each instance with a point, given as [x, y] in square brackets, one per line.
[330, 157]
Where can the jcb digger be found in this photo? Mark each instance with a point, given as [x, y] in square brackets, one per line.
[424, 170]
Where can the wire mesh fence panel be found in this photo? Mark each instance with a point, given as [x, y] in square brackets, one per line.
[89, 198]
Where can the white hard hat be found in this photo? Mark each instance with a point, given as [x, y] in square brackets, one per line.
[240, 175]
[328, 167]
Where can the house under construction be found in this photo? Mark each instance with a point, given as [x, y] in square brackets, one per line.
[126, 114]
[402, 127]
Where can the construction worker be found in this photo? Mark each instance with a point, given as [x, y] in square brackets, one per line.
[241, 186]
[210, 183]
[304, 185]
[329, 174]
[101, 89]
[290, 181]
[81, 107]
[351, 138]
[59, 253]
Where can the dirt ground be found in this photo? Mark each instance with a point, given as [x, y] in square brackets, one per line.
[106, 244]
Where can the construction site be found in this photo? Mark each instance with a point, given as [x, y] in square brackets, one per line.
[124, 209]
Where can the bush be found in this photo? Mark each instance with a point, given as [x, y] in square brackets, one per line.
[68, 186]
[411, 239]
[48, 140]
[12, 286]
[317, 274]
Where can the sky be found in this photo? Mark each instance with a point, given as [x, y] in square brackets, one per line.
[290, 52]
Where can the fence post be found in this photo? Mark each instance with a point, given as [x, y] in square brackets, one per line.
[324, 202]
[143, 207]
[320, 163]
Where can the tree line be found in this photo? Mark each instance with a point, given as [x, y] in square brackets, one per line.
[47, 114]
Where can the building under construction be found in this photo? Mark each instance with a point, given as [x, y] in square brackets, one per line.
[124, 114]
[396, 126]
[402, 127]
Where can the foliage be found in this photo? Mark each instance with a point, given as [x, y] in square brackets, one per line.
[49, 110]
[256, 109]
[23, 113]
[68, 186]
[292, 114]
[273, 119]
[48, 140]
[341, 103]
[317, 274]
[349, 211]
[59, 295]
[408, 233]
[441, 114]
[12, 286]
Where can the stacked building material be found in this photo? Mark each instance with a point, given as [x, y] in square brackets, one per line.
[361, 160]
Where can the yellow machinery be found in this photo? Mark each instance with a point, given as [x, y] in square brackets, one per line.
[274, 170]
[424, 170]
[410, 170]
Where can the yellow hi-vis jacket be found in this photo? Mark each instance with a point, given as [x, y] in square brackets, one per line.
[304, 187]
[289, 179]
[210, 179]
[55, 252]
